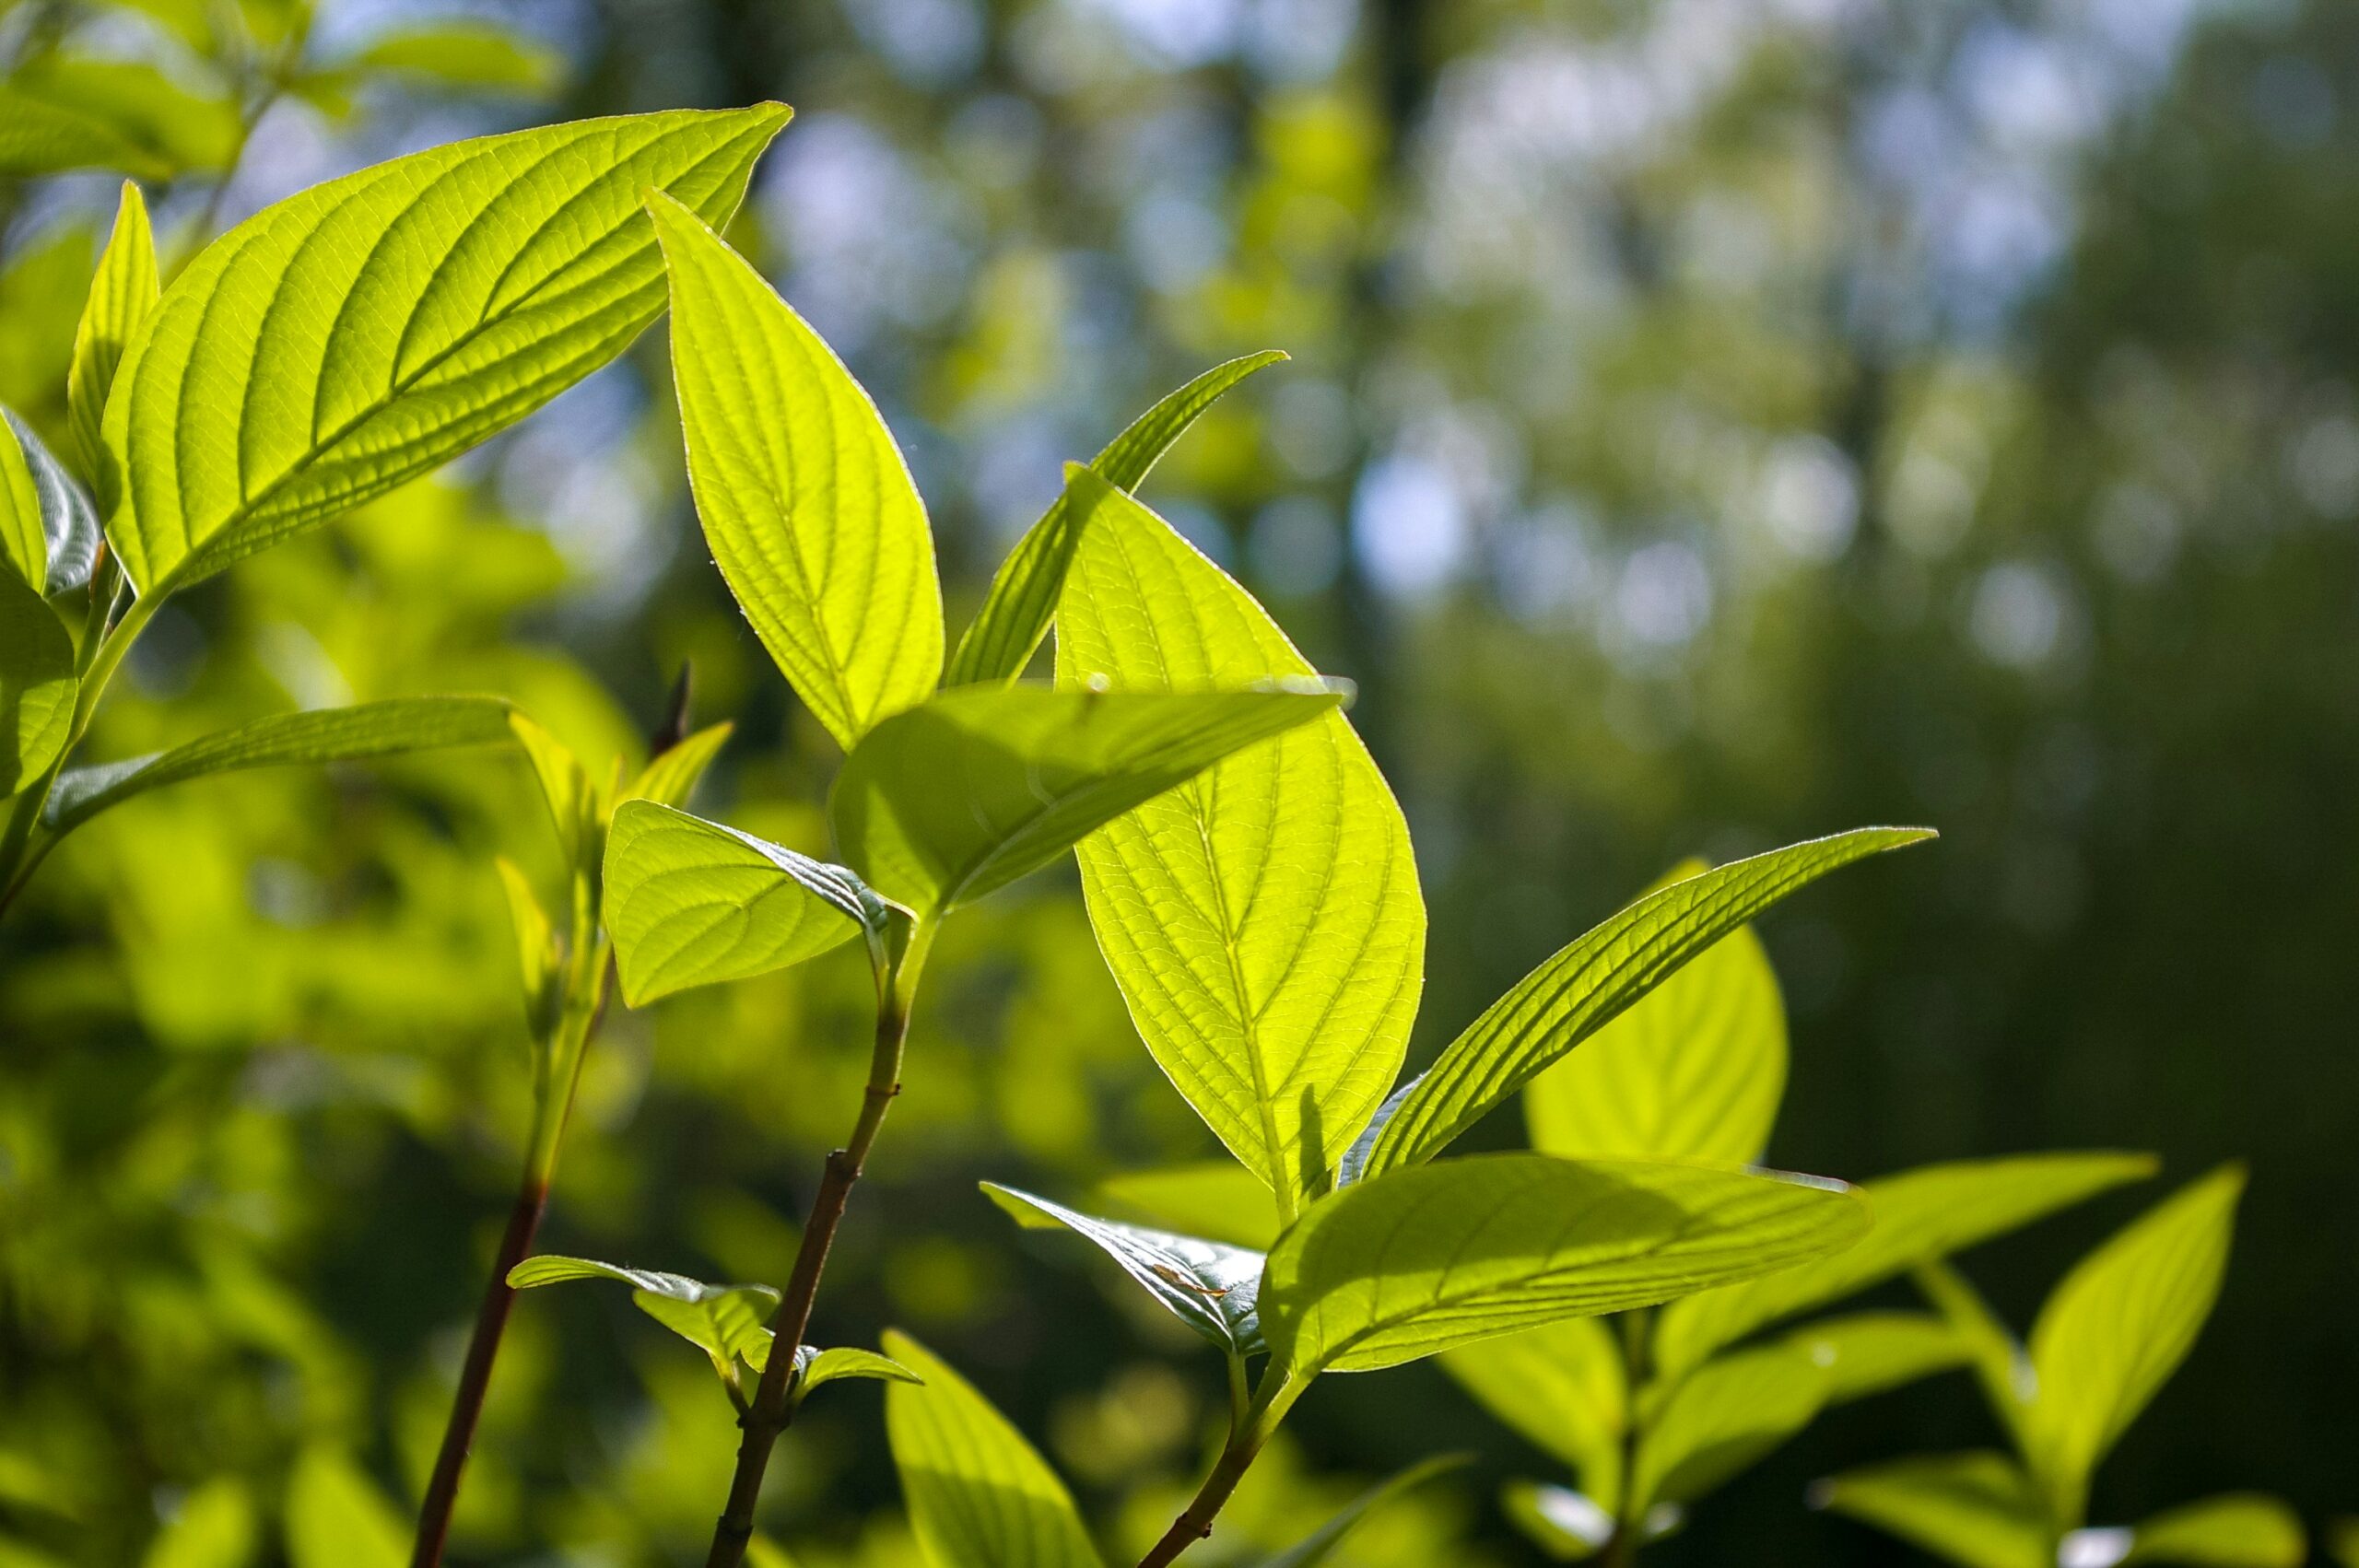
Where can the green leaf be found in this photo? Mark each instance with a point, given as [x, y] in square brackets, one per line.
[539, 963]
[1208, 1286]
[811, 513]
[466, 57]
[1415, 1263]
[1264, 923]
[1589, 983]
[38, 136]
[1022, 599]
[48, 532]
[671, 777]
[122, 293]
[1320, 1544]
[215, 1525]
[328, 735]
[577, 806]
[1870, 1353]
[36, 685]
[2120, 1324]
[814, 1368]
[1996, 1356]
[365, 331]
[979, 1495]
[1924, 1213]
[693, 903]
[2240, 1529]
[1976, 1509]
[726, 1322]
[1568, 1526]
[941, 804]
[1694, 1070]
[1724, 1417]
[337, 1519]
[174, 129]
[1217, 1198]
[1563, 1386]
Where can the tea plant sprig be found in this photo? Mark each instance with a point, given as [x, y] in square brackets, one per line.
[2111, 1334]
[1264, 925]
[945, 796]
[1658, 1412]
[441, 301]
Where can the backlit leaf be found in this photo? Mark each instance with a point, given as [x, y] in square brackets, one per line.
[213, 1527]
[1320, 1544]
[671, 777]
[328, 735]
[1869, 1352]
[1589, 983]
[48, 529]
[1997, 1358]
[941, 804]
[122, 293]
[176, 129]
[365, 331]
[2237, 1530]
[1218, 1198]
[337, 1519]
[692, 903]
[815, 1368]
[36, 685]
[1976, 1509]
[1416, 1262]
[726, 1322]
[1208, 1286]
[810, 511]
[574, 803]
[1724, 1417]
[1264, 922]
[1694, 1070]
[467, 57]
[979, 1495]
[536, 951]
[1928, 1213]
[2120, 1324]
[38, 136]
[1023, 598]
[1569, 1526]
[1563, 1385]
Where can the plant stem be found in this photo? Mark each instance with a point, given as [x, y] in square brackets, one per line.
[1245, 1443]
[772, 1411]
[474, 1377]
[1621, 1549]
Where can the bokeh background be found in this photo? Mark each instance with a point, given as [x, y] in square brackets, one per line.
[1711, 423]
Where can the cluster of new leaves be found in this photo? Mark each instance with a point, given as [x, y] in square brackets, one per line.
[2107, 1340]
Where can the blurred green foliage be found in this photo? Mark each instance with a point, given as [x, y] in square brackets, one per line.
[1712, 422]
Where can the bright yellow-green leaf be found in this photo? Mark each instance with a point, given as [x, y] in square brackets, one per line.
[1413, 1263]
[1722, 1418]
[1219, 1199]
[213, 1528]
[941, 804]
[364, 332]
[48, 531]
[122, 293]
[692, 903]
[1928, 1213]
[1694, 1070]
[39, 136]
[1207, 1286]
[328, 735]
[536, 950]
[1975, 1509]
[1563, 1386]
[1589, 983]
[337, 1519]
[1023, 598]
[979, 1495]
[37, 685]
[177, 130]
[1869, 1352]
[1997, 1359]
[462, 55]
[726, 1322]
[2237, 1530]
[1264, 923]
[670, 778]
[810, 511]
[575, 804]
[815, 1368]
[1320, 1544]
[2120, 1324]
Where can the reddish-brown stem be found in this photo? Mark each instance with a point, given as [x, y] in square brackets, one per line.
[772, 1411]
[474, 1377]
[1249, 1430]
